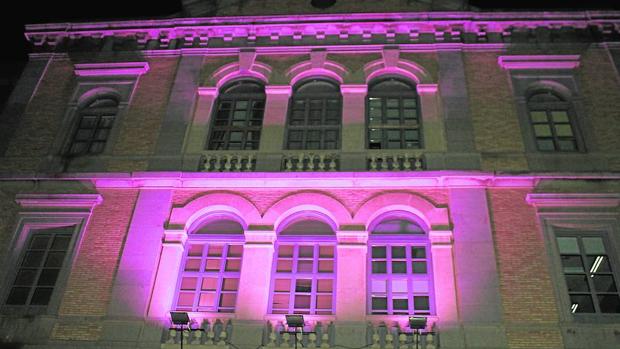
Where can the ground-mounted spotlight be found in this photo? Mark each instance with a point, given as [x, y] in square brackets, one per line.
[179, 318]
[322, 3]
[295, 321]
[417, 323]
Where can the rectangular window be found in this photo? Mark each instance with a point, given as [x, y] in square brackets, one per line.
[209, 278]
[399, 279]
[39, 267]
[589, 274]
[304, 279]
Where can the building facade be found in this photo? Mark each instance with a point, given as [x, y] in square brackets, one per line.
[355, 165]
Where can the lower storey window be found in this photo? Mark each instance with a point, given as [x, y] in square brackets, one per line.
[210, 278]
[399, 280]
[304, 280]
[40, 267]
[588, 271]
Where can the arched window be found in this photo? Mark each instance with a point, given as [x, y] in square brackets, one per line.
[238, 117]
[211, 267]
[399, 267]
[304, 274]
[94, 124]
[551, 120]
[393, 115]
[315, 116]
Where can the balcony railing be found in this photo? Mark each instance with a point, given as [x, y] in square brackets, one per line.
[213, 333]
[396, 160]
[215, 161]
[319, 161]
[383, 337]
[321, 336]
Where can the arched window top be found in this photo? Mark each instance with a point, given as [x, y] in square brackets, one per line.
[316, 87]
[545, 96]
[307, 223]
[99, 98]
[103, 102]
[243, 87]
[392, 85]
[218, 224]
[397, 223]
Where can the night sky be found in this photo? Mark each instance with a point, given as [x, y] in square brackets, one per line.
[15, 48]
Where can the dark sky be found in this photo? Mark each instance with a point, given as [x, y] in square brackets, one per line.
[13, 53]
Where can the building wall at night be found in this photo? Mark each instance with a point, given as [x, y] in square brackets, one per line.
[358, 168]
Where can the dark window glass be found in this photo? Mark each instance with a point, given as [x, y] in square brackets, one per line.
[238, 117]
[315, 116]
[551, 122]
[392, 115]
[94, 125]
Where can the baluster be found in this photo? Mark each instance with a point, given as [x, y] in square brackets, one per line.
[222, 341]
[248, 165]
[228, 329]
[288, 163]
[272, 341]
[312, 340]
[239, 163]
[384, 162]
[389, 341]
[310, 162]
[402, 340]
[322, 162]
[376, 344]
[407, 162]
[300, 162]
[325, 341]
[172, 335]
[185, 335]
[430, 341]
[228, 162]
[418, 163]
[285, 341]
[332, 162]
[373, 163]
[211, 337]
[206, 165]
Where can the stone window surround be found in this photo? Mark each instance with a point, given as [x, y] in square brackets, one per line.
[561, 213]
[40, 211]
[118, 78]
[529, 73]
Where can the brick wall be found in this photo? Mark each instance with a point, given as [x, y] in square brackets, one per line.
[528, 300]
[92, 274]
[496, 126]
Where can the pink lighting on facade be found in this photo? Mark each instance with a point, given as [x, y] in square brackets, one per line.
[111, 69]
[539, 62]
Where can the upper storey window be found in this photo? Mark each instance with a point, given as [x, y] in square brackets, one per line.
[550, 117]
[315, 117]
[238, 117]
[94, 125]
[400, 279]
[393, 115]
[209, 278]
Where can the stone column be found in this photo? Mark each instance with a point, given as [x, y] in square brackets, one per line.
[351, 271]
[255, 280]
[443, 276]
[199, 129]
[353, 127]
[432, 123]
[167, 274]
[274, 125]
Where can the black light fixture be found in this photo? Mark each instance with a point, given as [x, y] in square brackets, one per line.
[417, 322]
[179, 318]
[295, 321]
[322, 3]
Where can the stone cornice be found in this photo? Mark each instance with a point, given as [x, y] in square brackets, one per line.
[398, 28]
[83, 201]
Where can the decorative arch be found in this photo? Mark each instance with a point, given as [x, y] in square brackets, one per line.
[96, 93]
[392, 64]
[547, 85]
[317, 66]
[429, 215]
[325, 205]
[246, 67]
[198, 209]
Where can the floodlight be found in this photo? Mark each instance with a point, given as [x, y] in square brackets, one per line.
[417, 323]
[179, 317]
[295, 320]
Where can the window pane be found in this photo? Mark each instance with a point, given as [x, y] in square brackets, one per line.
[542, 130]
[306, 251]
[545, 144]
[400, 304]
[207, 300]
[284, 266]
[567, 144]
[230, 284]
[215, 250]
[233, 265]
[421, 303]
[326, 266]
[604, 283]
[593, 245]
[282, 285]
[379, 252]
[409, 103]
[609, 303]
[538, 116]
[212, 265]
[564, 130]
[399, 286]
[398, 252]
[195, 250]
[379, 303]
[280, 301]
[577, 283]
[420, 286]
[39, 242]
[581, 304]
[33, 259]
[41, 296]
[418, 252]
[304, 266]
[572, 264]
[419, 267]
[235, 251]
[303, 285]
[189, 283]
[379, 267]
[598, 264]
[324, 285]
[61, 243]
[209, 284]
[18, 296]
[228, 300]
[323, 302]
[48, 277]
[285, 251]
[568, 245]
[185, 299]
[25, 277]
[378, 286]
[399, 267]
[559, 116]
[54, 259]
[326, 251]
[302, 302]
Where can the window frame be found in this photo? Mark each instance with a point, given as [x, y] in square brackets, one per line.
[548, 107]
[233, 98]
[42, 212]
[403, 126]
[87, 110]
[317, 241]
[305, 128]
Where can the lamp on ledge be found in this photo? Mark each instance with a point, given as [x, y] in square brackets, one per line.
[180, 319]
[417, 323]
